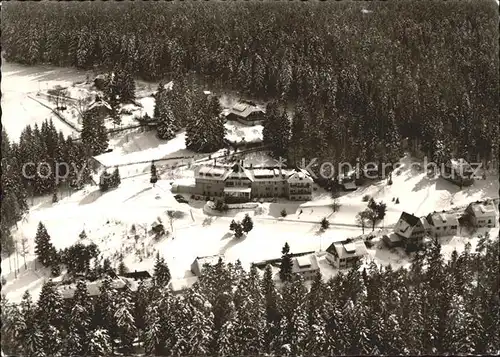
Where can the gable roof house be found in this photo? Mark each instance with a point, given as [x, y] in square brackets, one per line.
[99, 109]
[411, 229]
[245, 113]
[198, 264]
[459, 172]
[442, 224]
[482, 214]
[346, 253]
[305, 266]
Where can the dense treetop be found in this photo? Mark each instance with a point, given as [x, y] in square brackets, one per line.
[428, 68]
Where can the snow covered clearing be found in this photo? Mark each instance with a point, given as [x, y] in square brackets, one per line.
[237, 132]
[18, 82]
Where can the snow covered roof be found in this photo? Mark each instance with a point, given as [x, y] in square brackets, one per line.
[480, 209]
[406, 223]
[459, 165]
[349, 185]
[100, 104]
[239, 172]
[300, 176]
[438, 219]
[244, 110]
[199, 262]
[177, 285]
[393, 237]
[212, 172]
[304, 263]
[68, 291]
[169, 85]
[348, 249]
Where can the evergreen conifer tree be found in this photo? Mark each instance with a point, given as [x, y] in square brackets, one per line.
[161, 274]
[286, 264]
[247, 223]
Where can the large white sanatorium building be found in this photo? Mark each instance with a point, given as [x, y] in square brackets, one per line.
[240, 184]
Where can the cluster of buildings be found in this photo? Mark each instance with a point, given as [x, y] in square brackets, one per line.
[411, 231]
[242, 184]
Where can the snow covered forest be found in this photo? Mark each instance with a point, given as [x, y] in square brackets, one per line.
[434, 307]
[361, 75]
[340, 81]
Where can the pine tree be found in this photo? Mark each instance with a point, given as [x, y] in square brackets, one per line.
[250, 313]
[77, 340]
[99, 343]
[94, 135]
[124, 318]
[44, 249]
[232, 225]
[166, 121]
[247, 223]
[161, 273]
[276, 130]
[122, 268]
[154, 176]
[82, 235]
[324, 223]
[204, 131]
[238, 230]
[49, 315]
[115, 178]
[286, 264]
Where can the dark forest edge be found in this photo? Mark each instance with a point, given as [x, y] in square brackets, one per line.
[356, 95]
[434, 307]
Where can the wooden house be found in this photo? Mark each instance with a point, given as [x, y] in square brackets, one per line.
[442, 224]
[458, 171]
[482, 214]
[345, 254]
[411, 229]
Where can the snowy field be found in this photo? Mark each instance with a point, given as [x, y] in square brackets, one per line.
[19, 83]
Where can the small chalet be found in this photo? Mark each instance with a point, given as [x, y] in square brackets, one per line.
[199, 263]
[99, 109]
[345, 254]
[442, 224]
[138, 275]
[411, 229]
[246, 114]
[306, 266]
[459, 172]
[482, 214]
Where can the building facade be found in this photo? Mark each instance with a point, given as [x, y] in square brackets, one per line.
[240, 184]
[411, 229]
[345, 254]
[442, 224]
[482, 214]
[459, 172]
[306, 266]
[245, 114]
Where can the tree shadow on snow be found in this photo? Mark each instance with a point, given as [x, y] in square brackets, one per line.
[231, 243]
[424, 183]
[91, 197]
